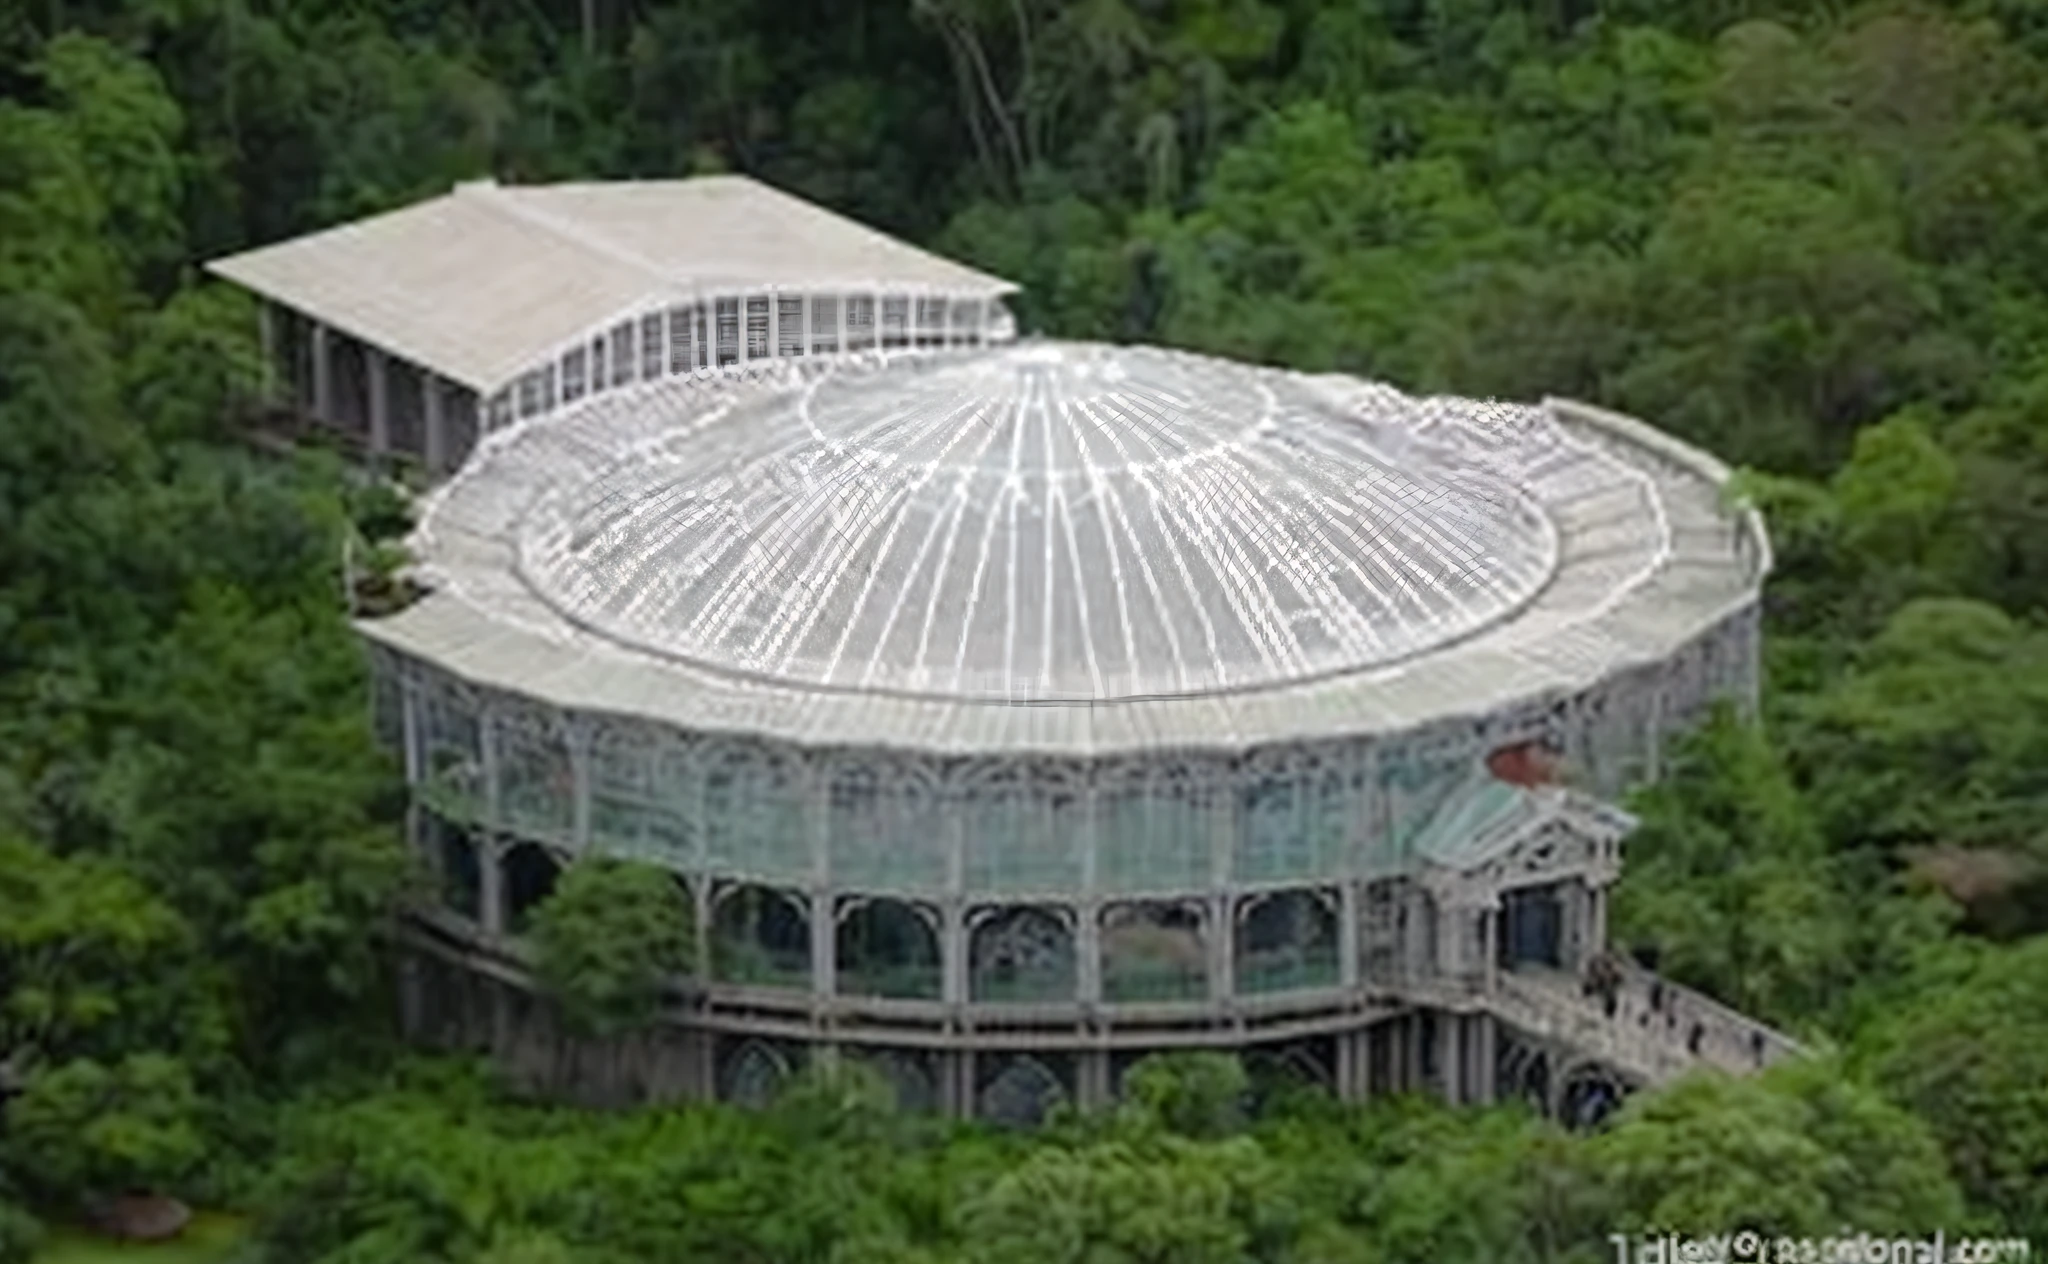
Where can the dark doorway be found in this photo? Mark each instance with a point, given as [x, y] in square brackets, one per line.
[1531, 928]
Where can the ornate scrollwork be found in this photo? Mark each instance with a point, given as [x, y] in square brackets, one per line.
[754, 1075]
[1286, 940]
[1021, 1093]
[755, 801]
[760, 936]
[888, 947]
[1021, 953]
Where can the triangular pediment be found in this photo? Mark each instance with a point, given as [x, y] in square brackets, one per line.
[1494, 836]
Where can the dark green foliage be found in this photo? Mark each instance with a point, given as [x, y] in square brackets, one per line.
[1197, 1095]
[1806, 235]
[21, 1234]
[609, 939]
[1971, 1057]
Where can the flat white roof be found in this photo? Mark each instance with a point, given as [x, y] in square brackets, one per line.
[490, 280]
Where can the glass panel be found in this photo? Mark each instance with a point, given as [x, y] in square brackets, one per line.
[575, 366]
[652, 339]
[622, 354]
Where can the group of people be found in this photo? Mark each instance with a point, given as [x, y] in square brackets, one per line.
[1603, 978]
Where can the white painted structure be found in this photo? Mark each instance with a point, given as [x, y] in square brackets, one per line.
[1005, 711]
[419, 330]
[1129, 699]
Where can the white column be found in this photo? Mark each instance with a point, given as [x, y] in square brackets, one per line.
[323, 373]
[774, 324]
[844, 306]
[1088, 950]
[1449, 942]
[487, 749]
[411, 743]
[953, 951]
[956, 945]
[824, 944]
[810, 331]
[824, 917]
[1347, 934]
[436, 422]
[746, 347]
[380, 400]
[1223, 949]
[877, 325]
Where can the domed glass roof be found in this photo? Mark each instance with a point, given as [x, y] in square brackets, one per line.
[1040, 523]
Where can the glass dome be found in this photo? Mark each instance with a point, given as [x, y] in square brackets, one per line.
[1040, 523]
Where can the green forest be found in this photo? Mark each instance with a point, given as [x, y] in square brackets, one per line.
[1809, 236]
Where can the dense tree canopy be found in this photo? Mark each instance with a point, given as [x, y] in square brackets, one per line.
[1811, 237]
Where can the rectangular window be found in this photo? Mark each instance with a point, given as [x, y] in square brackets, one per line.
[574, 367]
[967, 321]
[895, 321]
[728, 331]
[548, 398]
[757, 328]
[652, 338]
[824, 332]
[789, 327]
[529, 394]
[682, 350]
[499, 411]
[622, 354]
[598, 379]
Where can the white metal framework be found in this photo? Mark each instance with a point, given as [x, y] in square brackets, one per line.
[1072, 701]
[1044, 523]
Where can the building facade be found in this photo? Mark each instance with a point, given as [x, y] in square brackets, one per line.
[1009, 711]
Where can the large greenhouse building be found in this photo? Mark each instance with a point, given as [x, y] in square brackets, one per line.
[1008, 710]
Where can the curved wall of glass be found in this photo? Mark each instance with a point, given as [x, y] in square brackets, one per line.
[1178, 878]
[718, 334]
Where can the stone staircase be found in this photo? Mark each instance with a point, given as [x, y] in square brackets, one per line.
[1656, 1031]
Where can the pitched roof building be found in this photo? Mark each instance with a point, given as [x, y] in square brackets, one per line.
[405, 329]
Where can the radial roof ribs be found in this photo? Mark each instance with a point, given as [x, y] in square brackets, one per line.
[1048, 523]
[1068, 548]
[485, 282]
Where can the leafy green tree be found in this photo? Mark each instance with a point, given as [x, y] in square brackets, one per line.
[1131, 1202]
[1730, 880]
[105, 1127]
[608, 940]
[195, 363]
[92, 965]
[1198, 1095]
[1800, 1150]
[1969, 1055]
[128, 129]
[1937, 734]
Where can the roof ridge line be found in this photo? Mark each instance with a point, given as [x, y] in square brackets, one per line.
[498, 197]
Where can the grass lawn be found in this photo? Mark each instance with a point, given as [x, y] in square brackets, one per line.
[209, 1239]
